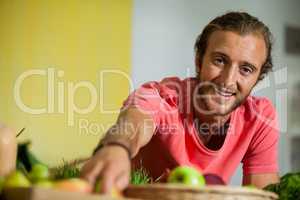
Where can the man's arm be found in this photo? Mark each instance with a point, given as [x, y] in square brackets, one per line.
[133, 129]
[260, 180]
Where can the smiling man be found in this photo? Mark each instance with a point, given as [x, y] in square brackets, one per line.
[210, 122]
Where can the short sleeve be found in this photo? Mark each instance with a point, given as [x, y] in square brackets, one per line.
[155, 99]
[262, 153]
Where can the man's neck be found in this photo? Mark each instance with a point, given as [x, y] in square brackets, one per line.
[211, 129]
[212, 120]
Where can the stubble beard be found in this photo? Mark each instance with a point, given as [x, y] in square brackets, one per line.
[204, 105]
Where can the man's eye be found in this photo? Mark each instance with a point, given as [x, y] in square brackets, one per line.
[246, 70]
[219, 61]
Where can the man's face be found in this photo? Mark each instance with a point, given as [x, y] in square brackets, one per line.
[229, 70]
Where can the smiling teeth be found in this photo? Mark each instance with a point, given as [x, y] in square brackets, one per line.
[223, 93]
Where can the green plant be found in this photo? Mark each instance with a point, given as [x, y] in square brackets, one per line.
[65, 171]
[288, 188]
[140, 176]
[25, 158]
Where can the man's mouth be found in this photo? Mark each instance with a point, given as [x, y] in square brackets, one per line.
[226, 93]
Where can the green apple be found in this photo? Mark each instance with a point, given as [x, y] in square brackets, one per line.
[44, 184]
[186, 175]
[250, 186]
[38, 173]
[16, 179]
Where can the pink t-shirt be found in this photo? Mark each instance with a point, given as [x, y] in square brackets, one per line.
[251, 139]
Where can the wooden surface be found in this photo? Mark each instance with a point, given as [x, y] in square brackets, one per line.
[47, 194]
[146, 192]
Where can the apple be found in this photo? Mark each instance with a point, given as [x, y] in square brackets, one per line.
[115, 193]
[213, 179]
[16, 179]
[44, 184]
[250, 186]
[39, 172]
[186, 175]
[73, 185]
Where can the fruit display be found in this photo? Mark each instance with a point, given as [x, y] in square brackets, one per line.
[29, 173]
[36, 186]
[185, 182]
[39, 176]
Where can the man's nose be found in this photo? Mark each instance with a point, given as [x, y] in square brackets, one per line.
[229, 75]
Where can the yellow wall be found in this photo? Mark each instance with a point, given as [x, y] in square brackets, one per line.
[78, 37]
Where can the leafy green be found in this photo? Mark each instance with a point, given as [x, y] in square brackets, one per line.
[65, 171]
[140, 176]
[20, 166]
[71, 170]
[25, 158]
[288, 188]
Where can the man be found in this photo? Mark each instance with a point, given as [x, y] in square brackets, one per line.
[209, 122]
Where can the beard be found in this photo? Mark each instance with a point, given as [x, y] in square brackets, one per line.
[208, 102]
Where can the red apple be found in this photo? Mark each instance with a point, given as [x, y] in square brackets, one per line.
[213, 179]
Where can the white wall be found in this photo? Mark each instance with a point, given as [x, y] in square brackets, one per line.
[164, 32]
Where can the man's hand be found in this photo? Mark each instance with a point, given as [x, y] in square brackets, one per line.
[111, 165]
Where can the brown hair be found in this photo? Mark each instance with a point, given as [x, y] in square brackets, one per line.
[241, 23]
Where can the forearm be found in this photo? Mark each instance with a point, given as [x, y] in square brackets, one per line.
[133, 129]
[260, 180]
